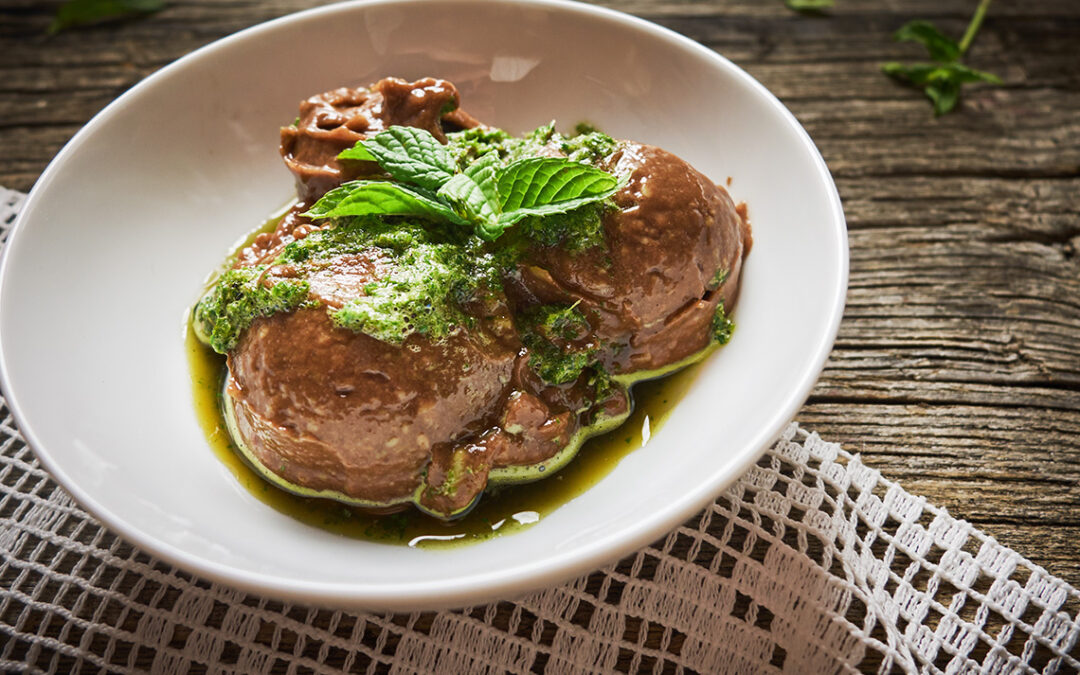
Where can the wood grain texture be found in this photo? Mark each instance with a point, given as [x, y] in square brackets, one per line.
[957, 367]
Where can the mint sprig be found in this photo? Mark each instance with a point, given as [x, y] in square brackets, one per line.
[380, 198]
[486, 196]
[942, 79]
[809, 6]
[81, 12]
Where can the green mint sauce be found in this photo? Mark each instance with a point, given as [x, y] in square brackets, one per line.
[433, 267]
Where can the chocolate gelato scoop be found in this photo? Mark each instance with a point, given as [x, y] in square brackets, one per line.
[332, 410]
[673, 254]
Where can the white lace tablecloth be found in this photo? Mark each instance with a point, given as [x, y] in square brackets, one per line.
[810, 563]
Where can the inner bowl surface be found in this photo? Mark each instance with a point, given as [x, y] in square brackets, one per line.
[118, 234]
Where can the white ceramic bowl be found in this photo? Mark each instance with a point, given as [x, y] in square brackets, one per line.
[119, 232]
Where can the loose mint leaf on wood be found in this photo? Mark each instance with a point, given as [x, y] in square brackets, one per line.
[963, 74]
[408, 154]
[916, 73]
[382, 198]
[931, 73]
[941, 47]
[809, 5]
[944, 95]
[81, 12]
[941, 80]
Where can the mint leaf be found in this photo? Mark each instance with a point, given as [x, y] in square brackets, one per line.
[80, 12]
[408, 154]
[508, 218]
[941, 47]
[494, 199]
[357, 152]
[381, 198]
[544, 181]
[468, 200]
[485, 173]
[940, 81]
[916, 73]
[963, 74]
[542, 186]
[944, 95]
[809, 5]
[474, 194]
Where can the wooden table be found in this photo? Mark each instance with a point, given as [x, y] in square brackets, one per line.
[957, 368]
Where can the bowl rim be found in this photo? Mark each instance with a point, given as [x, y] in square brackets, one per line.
[481, 586]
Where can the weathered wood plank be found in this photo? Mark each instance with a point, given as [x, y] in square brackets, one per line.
[1014, 472]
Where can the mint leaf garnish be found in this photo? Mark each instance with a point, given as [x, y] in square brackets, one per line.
[486, 196]
[473, 193]
[940, 81]
[408, 154]
[382, 198]
[79, 12]
[545, 185]
[467, 199]
[485, 173]
[357, 152]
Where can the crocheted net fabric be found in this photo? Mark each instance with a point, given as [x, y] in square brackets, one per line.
[810, 563]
